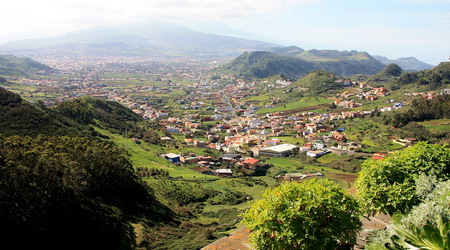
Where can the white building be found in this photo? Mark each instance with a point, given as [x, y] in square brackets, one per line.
[278, 150]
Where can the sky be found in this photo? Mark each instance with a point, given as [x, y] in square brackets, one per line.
[391, 28]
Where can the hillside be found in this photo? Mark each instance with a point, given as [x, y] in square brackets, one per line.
[20, 66]
[18, 117]
[68, 175]
[296, 63]
[317, 79]
[349, 63]
[262, 64]
[149, 39]
[393, 77]
[406, 63]
[433, 79]
[74, 118]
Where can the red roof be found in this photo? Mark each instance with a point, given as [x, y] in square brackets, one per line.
[250, 161]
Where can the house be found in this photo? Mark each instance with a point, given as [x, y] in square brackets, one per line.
[172, 157]
[272, 142]
[311, 127]
[304, 148]
[188, 159]
[350, 146]
[250, 162]
[173, 129]
[203, 163]
[316, 153]
[337, 136]
[378, 156]
[230, 157]
[224, 172]
[318, 145]
[200, 143]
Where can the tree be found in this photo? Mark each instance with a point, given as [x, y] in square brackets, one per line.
[315, 214]
[389, 185]
[68, 193]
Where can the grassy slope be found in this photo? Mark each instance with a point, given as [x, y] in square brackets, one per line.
[144, 155]
[437, 126]
[302, 103]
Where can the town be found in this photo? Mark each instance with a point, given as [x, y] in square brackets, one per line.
[215, 111]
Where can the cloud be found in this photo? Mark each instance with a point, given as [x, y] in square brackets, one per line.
[32, 19]
[139, 10]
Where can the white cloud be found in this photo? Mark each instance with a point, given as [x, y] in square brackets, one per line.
[108, 11]
[24, 16]
[48, 17]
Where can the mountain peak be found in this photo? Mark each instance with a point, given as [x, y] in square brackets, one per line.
[156, 38]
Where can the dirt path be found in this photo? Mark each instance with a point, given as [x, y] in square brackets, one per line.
[238, 240]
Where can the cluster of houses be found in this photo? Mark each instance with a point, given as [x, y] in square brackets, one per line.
[220, 166]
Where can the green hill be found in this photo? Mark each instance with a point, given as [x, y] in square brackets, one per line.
[20, 66]
[18, 117]
[393, 77]
[75, 118]
[390, 70]
[333, 55]
[261, 64]
[436, 78]
[61, 185]
[294, 63]
[317, 79]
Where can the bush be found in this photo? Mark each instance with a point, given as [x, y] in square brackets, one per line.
[315, 214]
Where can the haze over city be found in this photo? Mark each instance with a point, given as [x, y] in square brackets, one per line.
[392, 28]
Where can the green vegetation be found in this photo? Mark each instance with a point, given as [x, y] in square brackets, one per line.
[394, 177]
[302, 103]
[315, 214]
[332, 55]
[422, 109]
[426, 225]
[260, 64]
[77, 153]
[63, 192]
[20, 66]
[428, 236]
[317, 80]
[433, 79]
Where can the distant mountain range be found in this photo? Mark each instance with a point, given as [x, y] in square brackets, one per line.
[150, 39]
[294, 62]
[406, 63]
[163, 39]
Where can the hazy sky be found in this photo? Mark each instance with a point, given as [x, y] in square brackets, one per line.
[392, 28]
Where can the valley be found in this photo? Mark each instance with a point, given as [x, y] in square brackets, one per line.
[209, 142]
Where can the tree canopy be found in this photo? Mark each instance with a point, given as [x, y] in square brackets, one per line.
[389, 185]
[64, 192]
[315, 214]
